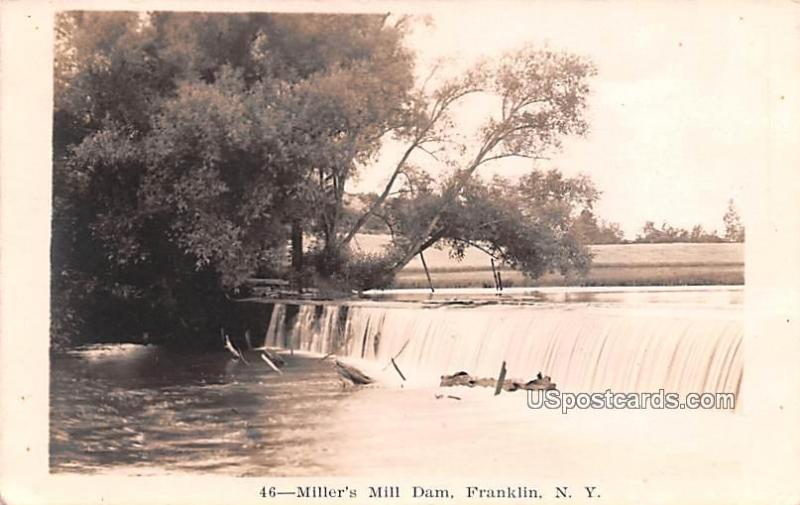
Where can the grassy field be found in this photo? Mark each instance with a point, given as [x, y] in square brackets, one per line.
[613, 265]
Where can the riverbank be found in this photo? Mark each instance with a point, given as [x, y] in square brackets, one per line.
[700, 274]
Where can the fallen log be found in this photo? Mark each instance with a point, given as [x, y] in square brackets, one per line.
[270, 363]
[352, 374]
[403, 348]
[541, 382]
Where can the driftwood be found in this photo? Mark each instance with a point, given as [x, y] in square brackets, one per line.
[464, 379]
[398, 370]
[403, 348]
[500, 379]
[269, 362]
[352, 374]
[457, 379]
[452, 397]
[274, 360]
[274, 357]
[237, 354]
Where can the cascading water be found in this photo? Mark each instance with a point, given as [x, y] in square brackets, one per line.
[583, 347]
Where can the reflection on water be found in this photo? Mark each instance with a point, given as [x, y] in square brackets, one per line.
[619, 295]
[130, 405]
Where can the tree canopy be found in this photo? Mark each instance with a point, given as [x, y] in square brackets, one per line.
[190, 149]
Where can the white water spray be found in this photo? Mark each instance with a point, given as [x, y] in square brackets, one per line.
[583, 347]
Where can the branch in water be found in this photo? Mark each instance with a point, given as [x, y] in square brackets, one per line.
[270, 363]
[398, 370]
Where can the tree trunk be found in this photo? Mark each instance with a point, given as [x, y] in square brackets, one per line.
[297, 251]
[383, 196]
[428, 237]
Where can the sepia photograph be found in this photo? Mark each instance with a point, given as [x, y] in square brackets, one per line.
[410, 253]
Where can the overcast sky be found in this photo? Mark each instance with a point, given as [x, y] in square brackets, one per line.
[678, 109]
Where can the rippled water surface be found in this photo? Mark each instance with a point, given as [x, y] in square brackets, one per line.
[143, 409]
[122, 406]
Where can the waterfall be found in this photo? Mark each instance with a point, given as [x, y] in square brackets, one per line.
[583, 347]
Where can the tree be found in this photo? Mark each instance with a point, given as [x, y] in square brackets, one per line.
[108, 79]
[188, 146]
[541, 97]
[526, 224]
[734, 228]
[668, 234]
[588, 231]
[191, 148]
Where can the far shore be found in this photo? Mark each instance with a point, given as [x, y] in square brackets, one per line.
[671, 264]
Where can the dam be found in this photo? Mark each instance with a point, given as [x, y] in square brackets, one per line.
[148, 409]
[595, 340]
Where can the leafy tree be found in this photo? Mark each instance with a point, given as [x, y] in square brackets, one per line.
[188, 145]
[190, 148]
[541, 97]
[734, 228]
[99, 116]
[527, 224]
[589, 231]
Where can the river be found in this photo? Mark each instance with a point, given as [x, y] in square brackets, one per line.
[141, 409]
[136, 407]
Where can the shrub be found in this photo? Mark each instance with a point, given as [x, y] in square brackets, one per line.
[368, 271]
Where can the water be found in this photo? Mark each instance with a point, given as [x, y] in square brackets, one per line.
[137, 408]
[620, 341]
[625, 295]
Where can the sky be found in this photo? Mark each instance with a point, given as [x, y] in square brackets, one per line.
[677, 111]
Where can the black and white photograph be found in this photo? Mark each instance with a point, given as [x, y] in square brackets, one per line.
[406, 252]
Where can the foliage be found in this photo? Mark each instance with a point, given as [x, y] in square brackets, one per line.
[541, 96]
[650, 234]
[186, 144]
[367, 271]
[734, 231]
[189, 148]
[734, 228]
[527, 224]
[589, 231]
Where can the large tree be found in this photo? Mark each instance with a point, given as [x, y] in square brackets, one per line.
[189, 145]
[540, 98]
[190, 148]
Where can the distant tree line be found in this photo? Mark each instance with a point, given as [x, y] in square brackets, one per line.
[592, 231]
